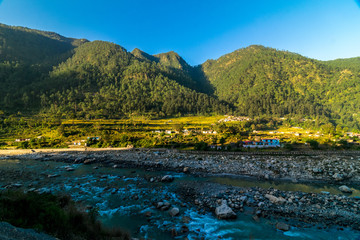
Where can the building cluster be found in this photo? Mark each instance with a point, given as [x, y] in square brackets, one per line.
[234, 119]
[263, 143]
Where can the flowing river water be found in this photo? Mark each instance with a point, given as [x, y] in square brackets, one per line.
[125, 197]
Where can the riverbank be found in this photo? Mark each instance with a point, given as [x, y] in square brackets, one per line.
[314, 208]
[332, 168]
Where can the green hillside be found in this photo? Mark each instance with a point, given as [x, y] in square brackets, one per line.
[43, 72]
[345, 63]
[32, 46]
[103, 80]
[265, 81]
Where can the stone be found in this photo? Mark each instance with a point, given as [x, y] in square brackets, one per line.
[186, 169]
[345, 189]
[224, 211]
[148, 214]
[167, 178]
[282, 226]
[317, 170]
[174, 211]
[159, 204]
[16, 185]
[53, 175]
[165, 206]
[273, 199]
[338, 177]
[256, 218]
[325, 192]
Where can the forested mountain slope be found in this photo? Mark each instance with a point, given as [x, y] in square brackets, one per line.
[73, 78]
[104, 80]
[260, 80]
[33, 46]
[345, 63]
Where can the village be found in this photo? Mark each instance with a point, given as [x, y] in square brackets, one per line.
[215, 133]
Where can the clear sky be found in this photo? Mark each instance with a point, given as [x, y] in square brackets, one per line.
[199, 29]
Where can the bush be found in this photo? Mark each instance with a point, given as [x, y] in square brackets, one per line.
[201, 146]
[313, 144]
[55, 215]
[289, 146]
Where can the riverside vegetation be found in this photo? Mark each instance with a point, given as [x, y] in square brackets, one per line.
[55, 215]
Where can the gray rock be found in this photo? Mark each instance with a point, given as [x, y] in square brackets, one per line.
[174, 211]
[345, 189]
[282, 226]
[53, 175]
[224, 211]
[338, 177]
[167, 178]
[273, 199]
[159, 204]
[317, 170]
[16, 185]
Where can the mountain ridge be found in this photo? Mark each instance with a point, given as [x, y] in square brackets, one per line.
[252, 81]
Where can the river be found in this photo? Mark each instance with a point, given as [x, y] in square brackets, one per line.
[125, 197]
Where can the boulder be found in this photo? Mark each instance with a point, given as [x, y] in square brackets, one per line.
[317, 170]
[148, 214]
[167, 178]
[53, 175]
[256, 218]
[166, 206]
[224, 211]
[174, 211]
[159, 205]
[282, 226]
[338, 177]
[273, 199]
[345, 189]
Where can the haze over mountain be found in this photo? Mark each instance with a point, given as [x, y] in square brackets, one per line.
[74, 78]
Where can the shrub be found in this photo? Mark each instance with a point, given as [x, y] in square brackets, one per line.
[313, 144]
[202, 146]
[55, 215]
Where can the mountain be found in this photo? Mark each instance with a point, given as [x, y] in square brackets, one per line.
[96, 79]
[33, 46]
[75, 78]
[265, 81]
[345, 63]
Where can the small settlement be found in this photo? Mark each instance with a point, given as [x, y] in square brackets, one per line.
[263, 143]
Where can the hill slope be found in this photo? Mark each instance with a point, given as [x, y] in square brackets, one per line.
[103, 80]
[75, 78]
[32, 46]
[259, 80]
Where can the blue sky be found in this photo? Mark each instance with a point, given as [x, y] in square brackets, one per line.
[199, 29]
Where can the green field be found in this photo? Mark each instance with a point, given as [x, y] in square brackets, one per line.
[192, 132]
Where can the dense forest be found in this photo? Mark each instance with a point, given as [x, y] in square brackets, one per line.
[45, 73]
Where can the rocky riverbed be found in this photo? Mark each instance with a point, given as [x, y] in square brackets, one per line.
[330, 168]
[324, 209]
[286, 209]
